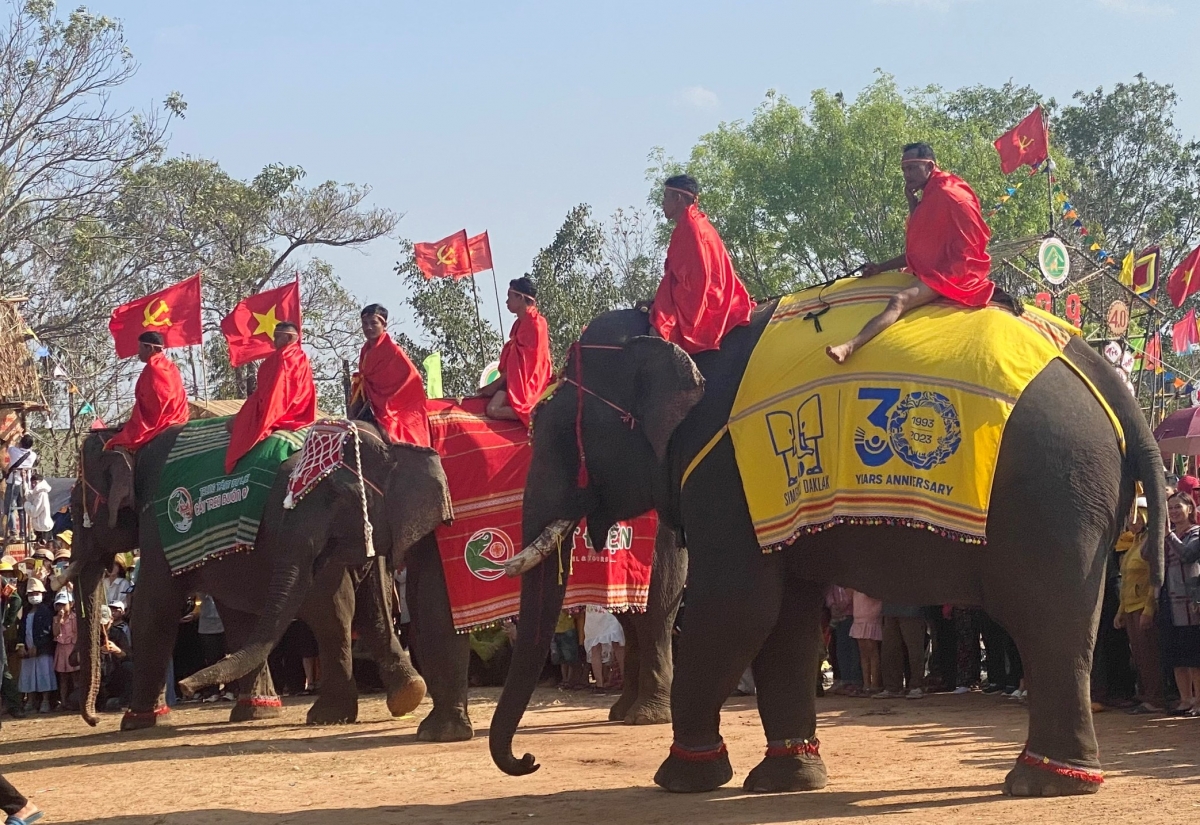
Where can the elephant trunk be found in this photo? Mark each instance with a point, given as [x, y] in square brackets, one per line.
[542, 591]
[285, 594]
[90, 598]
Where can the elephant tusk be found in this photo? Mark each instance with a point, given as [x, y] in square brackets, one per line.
[547, 542]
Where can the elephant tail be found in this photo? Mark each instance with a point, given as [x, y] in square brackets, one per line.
[542, 592]
[285, 595]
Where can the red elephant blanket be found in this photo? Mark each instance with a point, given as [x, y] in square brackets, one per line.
[486, 461]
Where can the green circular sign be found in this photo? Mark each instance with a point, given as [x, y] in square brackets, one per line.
[1054, 260]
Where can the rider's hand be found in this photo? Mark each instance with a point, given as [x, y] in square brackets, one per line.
[870, 269]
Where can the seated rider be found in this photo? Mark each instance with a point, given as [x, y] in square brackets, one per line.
[700, 298]
[945, 247]
[387, 389]
[525, 364]
[285, 397]
[160, 400]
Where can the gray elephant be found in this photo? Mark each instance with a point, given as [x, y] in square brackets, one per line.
[350, 589]
[393, 486]
[1060, 493]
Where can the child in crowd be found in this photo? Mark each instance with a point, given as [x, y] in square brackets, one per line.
[602, 634]
[564, 652]
[37, 680]
[868, 630]
[65, 635]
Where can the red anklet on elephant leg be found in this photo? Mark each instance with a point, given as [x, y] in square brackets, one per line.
[1045, 763]
[260, 702]
[161, 710]
[794, 747]
[706, 755]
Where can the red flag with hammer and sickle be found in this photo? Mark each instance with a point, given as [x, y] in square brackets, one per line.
[448, 258]
[1026, 143]
[1184, 280]
[174, 313]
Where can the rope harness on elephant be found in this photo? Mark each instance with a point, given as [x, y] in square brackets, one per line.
[323, 453]
[627, 418]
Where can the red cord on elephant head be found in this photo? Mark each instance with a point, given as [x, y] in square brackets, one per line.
[627, 418]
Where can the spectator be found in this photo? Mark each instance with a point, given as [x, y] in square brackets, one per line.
[1181, 616]
[10, 612]
[1136, 614]
[37, 508]
[37, 679]
[968, 659]
[1004, 669]
[65, 635]
[564, 652]
[868, 630]
[602, 634]
[903, 642]
[212, 632]
[117, 586]
[19, 809]
[21, 460]
[116, 668]
[847, 666]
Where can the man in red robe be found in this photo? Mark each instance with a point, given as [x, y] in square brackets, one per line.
[387, 388]
[945, 247]
[160, 401]
[285, 398]
[525, 365]
[700, 297]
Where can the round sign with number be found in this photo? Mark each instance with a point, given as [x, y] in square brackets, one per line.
[1054, 261]
[1118, 318]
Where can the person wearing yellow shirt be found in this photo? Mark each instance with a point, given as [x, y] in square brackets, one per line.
[1136, 613]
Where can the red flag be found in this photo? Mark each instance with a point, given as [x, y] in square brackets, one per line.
[1145, 271]
[250, 328]
[448, 258]
[481, 252]
[174, 313]
[1184, 334]
[1027, 143]
[1152, 359]
[1182, 282]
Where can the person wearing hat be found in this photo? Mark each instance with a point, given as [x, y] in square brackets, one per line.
[387, 389]
[66, 633]
[700, 298]
[160, 400]
[285, 397]
[117, 651]
[525, 364]
[37, 680]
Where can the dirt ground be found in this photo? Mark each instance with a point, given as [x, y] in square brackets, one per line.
[941, 759]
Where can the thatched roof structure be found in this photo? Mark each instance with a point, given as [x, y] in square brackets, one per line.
[19, 387]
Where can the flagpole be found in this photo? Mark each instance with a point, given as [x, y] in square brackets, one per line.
[499, 315]
[475, 292]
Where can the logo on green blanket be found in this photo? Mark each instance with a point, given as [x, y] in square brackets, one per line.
[486, 553]
[179, 509]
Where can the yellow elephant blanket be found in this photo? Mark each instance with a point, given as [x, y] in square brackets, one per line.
[906, 432]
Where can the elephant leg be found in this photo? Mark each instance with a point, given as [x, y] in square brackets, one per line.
[785, 675]
[734, 599]
[328, 612]
[652, 631]
[1061, 756]
[373, 619]
[154, 623]
[444, 655]
[256, 696]
[633, 667]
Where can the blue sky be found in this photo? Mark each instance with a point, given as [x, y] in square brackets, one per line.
[502, 116]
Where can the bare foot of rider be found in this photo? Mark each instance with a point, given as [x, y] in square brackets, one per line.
[841, 352]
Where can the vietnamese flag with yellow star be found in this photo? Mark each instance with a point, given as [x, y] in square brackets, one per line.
[1185, 280]
[174, 313]
[448, 258]
[250, 328]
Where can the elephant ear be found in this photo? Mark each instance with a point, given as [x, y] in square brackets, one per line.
[666, 387]
[417, 497]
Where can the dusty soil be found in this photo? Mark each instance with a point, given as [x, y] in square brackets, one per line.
[941, 759]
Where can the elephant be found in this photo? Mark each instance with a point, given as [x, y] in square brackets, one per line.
[1061, 491]
[394, 484]
[350, 588]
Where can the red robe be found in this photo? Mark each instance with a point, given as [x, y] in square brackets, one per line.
[700, 297]
[160, 401]
[392, 386]
[946, 241]
[285, 399]
[525, 363]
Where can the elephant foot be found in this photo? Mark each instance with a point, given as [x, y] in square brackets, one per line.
[405, 700]
[649, 713]
[694, 771]
[1036, 775]
[326, 711]
[250, 708]
[140, 720]
[446, 727]
[789, 765]
[624, 704]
